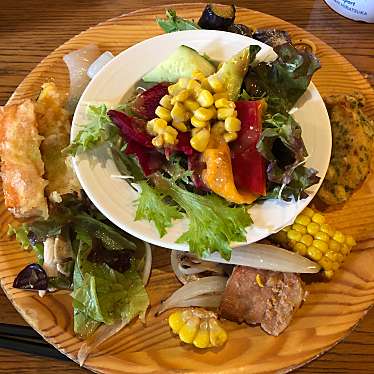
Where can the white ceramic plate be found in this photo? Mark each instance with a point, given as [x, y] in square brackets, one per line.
[115, 199]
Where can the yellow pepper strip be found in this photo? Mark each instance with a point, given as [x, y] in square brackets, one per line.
[218, 174]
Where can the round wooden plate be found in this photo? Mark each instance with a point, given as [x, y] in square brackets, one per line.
[331, 310]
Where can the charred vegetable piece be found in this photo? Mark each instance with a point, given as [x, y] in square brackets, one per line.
[32, 277]
[174, 23]
[239, 28]
[312, 237]
[247, 163]
[272, 37]
[217, 17]
[198, 327]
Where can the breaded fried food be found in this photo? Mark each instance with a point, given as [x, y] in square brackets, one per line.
[22, 167]
[54, 124]
[352, 147]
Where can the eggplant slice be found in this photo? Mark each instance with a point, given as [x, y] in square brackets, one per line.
[217, 17]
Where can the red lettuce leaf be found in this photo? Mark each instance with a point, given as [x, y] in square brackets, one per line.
[146, 103]
[196, 166]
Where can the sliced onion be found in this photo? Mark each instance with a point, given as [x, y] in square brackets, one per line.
[268, 257]
[103, 333]
[214, 285]
[147, 263]
[78, 63]
[186, 266]
[99, 63]
[205, 301]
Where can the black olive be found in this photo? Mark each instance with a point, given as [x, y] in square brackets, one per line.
[272, 37]
[217, 17]
[32, 277]
[239, 28]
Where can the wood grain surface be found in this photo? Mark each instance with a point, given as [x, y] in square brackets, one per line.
[30, 30]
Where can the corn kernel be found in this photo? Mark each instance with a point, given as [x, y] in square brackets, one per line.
[232, 124]
[163, 113]
[301, 249]
[235, 114]
[339, 237]
[335, 266]
[328, 230]
[169, 139]
[182, 96]
[189, 330]
[183, 82]
[326, 263]
[224, 103]
[174, 89]
[166, 102]
[205, 99]
[230, 137]
[287, 228]
[180, 126]
[307, 240]
[314, 253]
[193, 85]
[159, 125]
[176, 321]
[333, 256]
[218, 128]
[318, 218]
[221, 95]
[191, 105]
[322, 236]
[308, 212]
[350, 241]
[218, 335]
[292, 243]
[294, 235]
[202, 338]
[178, 113]
[200, 141]
[205, 84]
[328, 274]
[302, 220]
[171, 130]
[344, 249]
[198, 75]
[321, 245]
[313, 228]
[334, 245]
[299, 228]
[215, 84]
[223, 113]
[204, 114]
[197, 123]
[195, 130]
[158, 141]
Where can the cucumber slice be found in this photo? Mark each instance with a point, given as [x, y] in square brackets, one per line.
[181, 63]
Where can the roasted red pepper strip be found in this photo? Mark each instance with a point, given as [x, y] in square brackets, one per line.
[247, 164]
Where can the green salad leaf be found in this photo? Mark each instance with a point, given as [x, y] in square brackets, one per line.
[152, 206]
[214, 224]
[174, 23]
[103, 295]
[98, 129]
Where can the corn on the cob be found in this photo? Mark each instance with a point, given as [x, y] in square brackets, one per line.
[198, 327]
[311, 237]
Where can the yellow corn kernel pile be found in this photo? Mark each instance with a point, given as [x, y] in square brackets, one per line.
[198, 327]
[311, 237]
[200, 103]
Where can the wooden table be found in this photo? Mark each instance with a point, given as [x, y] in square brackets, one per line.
[31, 29]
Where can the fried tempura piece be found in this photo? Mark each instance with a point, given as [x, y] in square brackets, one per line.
[22, 167]
[54, 125]
[352, 147]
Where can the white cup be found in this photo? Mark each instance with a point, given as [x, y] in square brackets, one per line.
[358, 10]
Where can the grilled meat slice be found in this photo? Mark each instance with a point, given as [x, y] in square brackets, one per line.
[262, 297]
